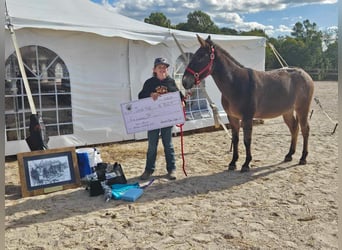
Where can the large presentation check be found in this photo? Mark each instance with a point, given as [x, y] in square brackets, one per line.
[147, 114]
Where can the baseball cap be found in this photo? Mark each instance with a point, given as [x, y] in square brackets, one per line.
[161, 60]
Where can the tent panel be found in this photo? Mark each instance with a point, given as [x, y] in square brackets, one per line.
[109, 57]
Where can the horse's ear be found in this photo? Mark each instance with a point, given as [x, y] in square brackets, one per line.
[208, 41]
[201, 41]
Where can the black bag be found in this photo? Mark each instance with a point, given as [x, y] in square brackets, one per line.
[116, 176]
[110, 173]
[95, 188]
[101, 169]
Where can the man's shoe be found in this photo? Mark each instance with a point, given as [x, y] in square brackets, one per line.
[171, 175]
[146, 175]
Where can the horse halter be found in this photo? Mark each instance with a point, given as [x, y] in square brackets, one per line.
[206, 69]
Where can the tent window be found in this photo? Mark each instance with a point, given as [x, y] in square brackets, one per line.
[197, 105]
[49, 81]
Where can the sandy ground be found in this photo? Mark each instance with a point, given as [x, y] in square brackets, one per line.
[276, 205]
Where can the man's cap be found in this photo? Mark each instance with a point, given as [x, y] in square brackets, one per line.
[161, 60]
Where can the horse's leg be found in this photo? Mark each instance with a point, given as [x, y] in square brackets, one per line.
[247, 139]
[305, 128]
[235, 125]
[292, 124]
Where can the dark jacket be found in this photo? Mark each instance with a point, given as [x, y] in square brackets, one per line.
[153, 84]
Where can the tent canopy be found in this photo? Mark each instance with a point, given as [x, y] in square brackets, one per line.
[87, 16]
[108, 57]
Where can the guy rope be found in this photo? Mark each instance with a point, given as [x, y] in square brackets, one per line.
[280, 59]
[331, 120]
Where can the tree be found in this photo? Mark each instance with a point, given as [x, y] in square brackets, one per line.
[228, 31]
[254, 32]
[183, 26]
[331, 55]
[298, 30]
[158, 18]
[294, 52]
[330, 36]
[308, 34]
[330, 52]
[199, 21]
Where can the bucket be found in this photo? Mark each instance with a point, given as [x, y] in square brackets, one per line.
[86, 160]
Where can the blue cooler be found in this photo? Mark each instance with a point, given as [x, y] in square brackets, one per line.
[83, 155]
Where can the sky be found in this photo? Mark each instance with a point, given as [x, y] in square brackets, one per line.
[275, 17]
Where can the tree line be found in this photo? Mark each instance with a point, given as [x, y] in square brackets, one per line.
[307, 47]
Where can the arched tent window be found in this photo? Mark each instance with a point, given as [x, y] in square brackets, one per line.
[49, 81]
[197, 106]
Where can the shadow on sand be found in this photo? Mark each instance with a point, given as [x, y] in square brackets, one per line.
[78, 202]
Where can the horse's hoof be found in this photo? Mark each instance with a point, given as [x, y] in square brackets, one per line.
[288, 158]
[244, 169]
[302, 162]
[231, 167]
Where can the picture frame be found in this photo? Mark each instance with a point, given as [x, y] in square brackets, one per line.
[46, 171]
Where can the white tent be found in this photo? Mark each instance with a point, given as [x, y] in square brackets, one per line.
[108, 58]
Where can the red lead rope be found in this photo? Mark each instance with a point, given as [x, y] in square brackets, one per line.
[182, 141]
[182, 147]
[207, 69]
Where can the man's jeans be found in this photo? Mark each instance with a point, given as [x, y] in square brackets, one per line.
[153, 138]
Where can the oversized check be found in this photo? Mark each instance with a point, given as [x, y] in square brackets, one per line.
[147, 114]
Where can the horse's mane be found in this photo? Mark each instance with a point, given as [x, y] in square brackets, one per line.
[226, 54]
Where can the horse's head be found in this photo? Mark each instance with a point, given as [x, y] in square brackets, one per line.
[200, 65]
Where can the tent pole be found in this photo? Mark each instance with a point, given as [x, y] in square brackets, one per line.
[21, 65]
[180, 48]
[38, 139]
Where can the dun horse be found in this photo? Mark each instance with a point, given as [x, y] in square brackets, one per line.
[248, 94]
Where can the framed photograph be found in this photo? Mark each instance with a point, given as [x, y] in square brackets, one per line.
[47, 171]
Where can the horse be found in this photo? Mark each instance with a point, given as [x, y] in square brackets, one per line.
[248, 94]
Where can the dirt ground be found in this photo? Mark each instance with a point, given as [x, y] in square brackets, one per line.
[276, 205]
